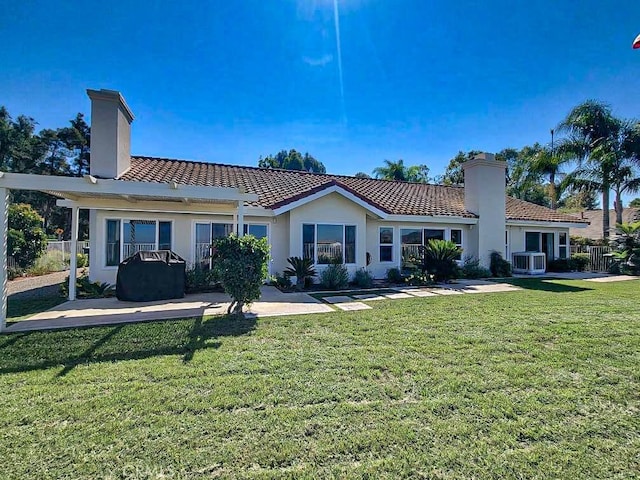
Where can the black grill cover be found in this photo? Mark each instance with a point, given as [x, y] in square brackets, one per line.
[148, 276]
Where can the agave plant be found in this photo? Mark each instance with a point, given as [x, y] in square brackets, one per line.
[301, 268]
[439, 259]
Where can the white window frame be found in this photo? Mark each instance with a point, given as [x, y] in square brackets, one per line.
[446, 236]
[566, 245]
[392, 244]
[123, 219]
[210, 224]
[315, 241]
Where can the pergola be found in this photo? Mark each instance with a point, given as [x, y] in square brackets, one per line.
[89, 192]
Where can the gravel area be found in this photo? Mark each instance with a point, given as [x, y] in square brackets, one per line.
[34, 287]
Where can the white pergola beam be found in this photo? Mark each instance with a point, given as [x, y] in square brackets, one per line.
[73, 260]
[87, 187]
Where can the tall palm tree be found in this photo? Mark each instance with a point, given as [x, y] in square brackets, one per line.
[590, 127]
[549, 162]
[391, 170]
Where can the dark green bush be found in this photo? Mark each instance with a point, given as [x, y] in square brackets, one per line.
[472, 269]
[580, 261]
[240, 264]
[363, 279]
[559, 265]
[302, 269]
[334, 277]
[394, 275]
[199, 280]
[499, 266]
[439, 260]
[26, 238]
[85, 288]
[281, 281]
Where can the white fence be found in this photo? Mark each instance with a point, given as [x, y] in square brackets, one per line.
[64, 247]
[597, 260]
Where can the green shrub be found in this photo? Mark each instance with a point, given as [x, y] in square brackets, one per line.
[14, 272]
[200, 280]
[363, 279]
[472, 269]
[52, 261]
[240, 263]
[335, 277]
[627, 248]
[394, 275]
[26, 238]
[499, 266]
[439, 259]
[559, 265]
[302, 269]
[85, 288]
[82, 260]
[580, 261]
[419, 279]
[283, 281]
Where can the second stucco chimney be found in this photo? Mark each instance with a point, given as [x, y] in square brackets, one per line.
[110, 133]
[484, 195]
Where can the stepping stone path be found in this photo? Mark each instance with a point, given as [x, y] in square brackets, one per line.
[350, 302]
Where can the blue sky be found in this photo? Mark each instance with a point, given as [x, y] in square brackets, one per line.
[230, 81]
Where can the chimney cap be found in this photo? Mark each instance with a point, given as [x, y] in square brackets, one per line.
[484, 159]
[111, 96]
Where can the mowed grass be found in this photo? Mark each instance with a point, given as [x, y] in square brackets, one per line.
[540, 383]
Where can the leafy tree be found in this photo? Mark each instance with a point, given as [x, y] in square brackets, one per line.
[549, 164]
[399, 171]
[522, 182]
[362, 175]
[292, 160]
[635, 203]
[453, 174]
[26, 238]
[592, 130]
[76, 139]
[240, 264]
[579, 200]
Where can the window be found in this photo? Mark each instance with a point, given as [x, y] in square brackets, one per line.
[257, 230]
[113, 243]
[325, 243]
[412, 239]
[206, 233]
[456, 237]
[562, 243]
[136, 236]
[386, 244]
[532, 242]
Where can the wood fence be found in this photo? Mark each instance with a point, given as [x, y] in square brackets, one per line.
[598, 262]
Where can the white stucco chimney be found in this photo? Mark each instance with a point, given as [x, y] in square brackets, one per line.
[110, 133]
[484, 195]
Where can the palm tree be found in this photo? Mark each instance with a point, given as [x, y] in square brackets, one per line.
[590, 127]
[548, 163]
[391, 170]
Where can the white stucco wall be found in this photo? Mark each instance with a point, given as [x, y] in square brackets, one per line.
[331, 209]
[379, 269]
[517, 237]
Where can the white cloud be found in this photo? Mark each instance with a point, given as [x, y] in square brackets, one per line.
[318, 61]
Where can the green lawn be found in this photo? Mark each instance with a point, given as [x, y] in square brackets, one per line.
[542, 383]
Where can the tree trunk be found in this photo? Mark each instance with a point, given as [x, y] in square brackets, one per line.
[619, 207]
[605, 211]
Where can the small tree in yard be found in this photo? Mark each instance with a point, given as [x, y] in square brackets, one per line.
[26, 237]
[240, 264]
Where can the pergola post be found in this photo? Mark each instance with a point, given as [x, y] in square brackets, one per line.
[240, 218]
[73, 261]
[4, 229]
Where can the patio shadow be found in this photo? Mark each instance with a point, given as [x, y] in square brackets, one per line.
[545, 285]
[68, 348]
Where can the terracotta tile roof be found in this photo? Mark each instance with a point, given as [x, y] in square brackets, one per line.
[277, 188]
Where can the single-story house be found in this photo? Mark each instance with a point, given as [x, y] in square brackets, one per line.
[594, 219]
[142, 203]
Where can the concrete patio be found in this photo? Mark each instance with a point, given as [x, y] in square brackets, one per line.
[106, 311]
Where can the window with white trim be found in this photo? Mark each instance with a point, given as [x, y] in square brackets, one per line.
[563, 245]
[455, 235]
[126, 237]
[258, 230]
[327, 243]
[386, 244]
[206, 233]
